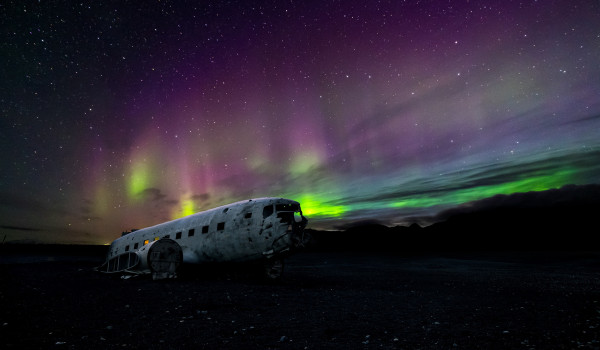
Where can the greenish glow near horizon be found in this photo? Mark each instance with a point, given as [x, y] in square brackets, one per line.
[537, 183]
[316, 206]
[187, 207]
[319, 206]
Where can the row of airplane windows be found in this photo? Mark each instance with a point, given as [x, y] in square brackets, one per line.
[220, 227]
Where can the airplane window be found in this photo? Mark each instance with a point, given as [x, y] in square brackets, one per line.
[135, 246]
[248, 216]
[225, 210]
[267, 211]
[126, 248]
[205, 229]
[191, 232]
[286, 217]
[220, 226]
[287, 207]
[178, 235]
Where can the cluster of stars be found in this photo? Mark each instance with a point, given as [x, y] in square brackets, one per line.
[123, 115]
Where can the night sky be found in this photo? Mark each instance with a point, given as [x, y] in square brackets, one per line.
[123, 114]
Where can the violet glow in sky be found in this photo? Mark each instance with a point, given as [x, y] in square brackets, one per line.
[122, 115]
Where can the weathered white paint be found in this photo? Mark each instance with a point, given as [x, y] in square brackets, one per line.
[241, 231]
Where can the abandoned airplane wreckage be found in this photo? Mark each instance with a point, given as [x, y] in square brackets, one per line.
[263, 229]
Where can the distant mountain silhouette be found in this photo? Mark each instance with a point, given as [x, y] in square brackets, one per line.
[559, 219]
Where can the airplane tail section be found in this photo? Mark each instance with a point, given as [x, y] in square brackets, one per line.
[161, 258]
[122, 262]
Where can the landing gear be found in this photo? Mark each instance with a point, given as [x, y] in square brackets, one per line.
[273, 269]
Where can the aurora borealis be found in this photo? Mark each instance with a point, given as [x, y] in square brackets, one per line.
[120, 115]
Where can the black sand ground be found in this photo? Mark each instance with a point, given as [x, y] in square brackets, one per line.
[342, 300]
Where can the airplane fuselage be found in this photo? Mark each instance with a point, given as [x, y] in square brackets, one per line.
[263, 228]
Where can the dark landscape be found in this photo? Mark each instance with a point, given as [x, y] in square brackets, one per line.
[491, 277]
[325, 300]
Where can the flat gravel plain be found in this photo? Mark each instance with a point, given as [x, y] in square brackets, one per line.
[325, 300]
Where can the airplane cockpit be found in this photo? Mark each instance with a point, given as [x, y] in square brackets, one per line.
[289, 213]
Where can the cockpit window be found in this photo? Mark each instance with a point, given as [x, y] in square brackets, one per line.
[267, 211]
[286, 217]
[287, 207]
